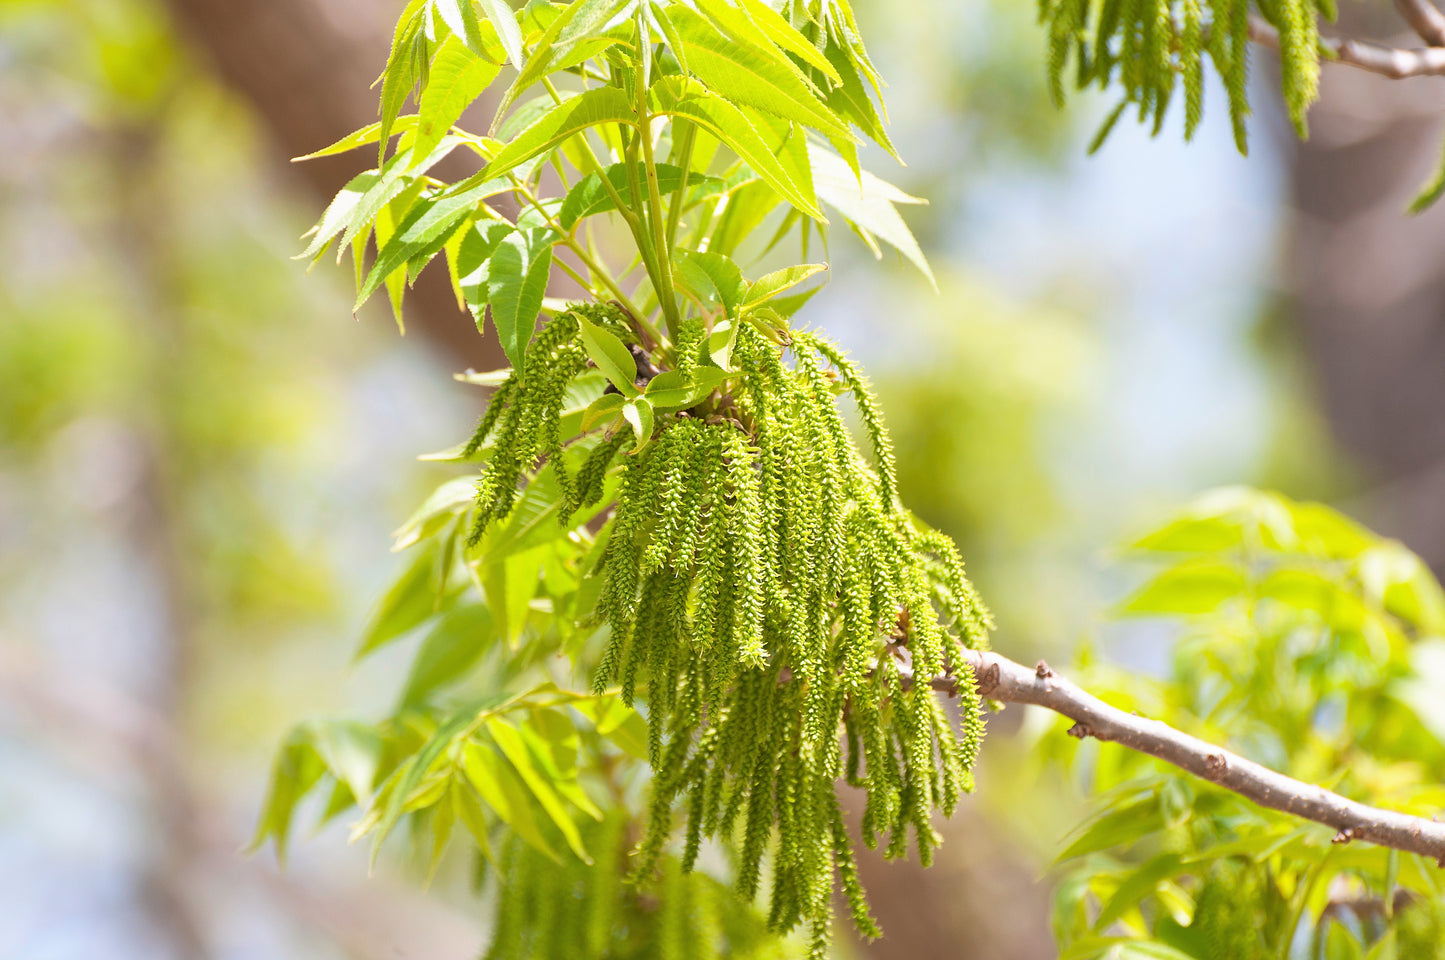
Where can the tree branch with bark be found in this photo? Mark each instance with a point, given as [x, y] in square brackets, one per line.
[1006, 681]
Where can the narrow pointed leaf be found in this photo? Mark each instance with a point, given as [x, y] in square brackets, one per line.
[458, 77]
[769, 286]
[509, 33]
[728, 124]
[754, 76]
[360, 138]
[474, 266]
[602, 105]
[869, 206]
[427, 227]
[515, 750]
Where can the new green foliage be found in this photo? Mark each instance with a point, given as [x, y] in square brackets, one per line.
[1302, 639]
[670, 505]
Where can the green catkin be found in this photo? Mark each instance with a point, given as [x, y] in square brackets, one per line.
[1104, 30]
[1299, 59]
[1236, 78]
[593, 472]
[1153, 47]
[759, 584]
[1191, 66]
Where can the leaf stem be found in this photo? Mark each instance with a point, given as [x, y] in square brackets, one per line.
[687, 134]
[597, 270]
[662, 249]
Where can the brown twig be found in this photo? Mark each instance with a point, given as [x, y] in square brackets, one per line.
[1003, 680]
[1397, 63]
[1425, 19]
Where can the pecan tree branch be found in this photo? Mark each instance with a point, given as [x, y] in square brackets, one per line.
[1002, 679]
[1425, 19]
[1397, 63]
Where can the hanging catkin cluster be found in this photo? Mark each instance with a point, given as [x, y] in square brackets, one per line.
[524, 421]
[770, 603]
[1152, 47]
[547, 910]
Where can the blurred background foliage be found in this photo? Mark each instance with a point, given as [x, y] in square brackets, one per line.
[201, 455]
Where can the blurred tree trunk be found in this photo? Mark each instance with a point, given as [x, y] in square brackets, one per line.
[307, 66]
[1368, 285]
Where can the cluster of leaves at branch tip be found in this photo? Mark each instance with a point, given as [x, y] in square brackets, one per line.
[762, 588]
[670, 496]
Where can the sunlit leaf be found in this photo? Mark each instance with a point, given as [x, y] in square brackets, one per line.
[870, 205]
[726, 122]
[772, 284]
[508, 32]
[515, 750]
[610, 354]
[638, 413]
[516, 283]
[754, 76]
[458, 77]
[368, 134]
[571, 116]
[503, 791]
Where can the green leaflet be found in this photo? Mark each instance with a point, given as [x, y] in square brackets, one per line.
[869, 206]
[481, 38]
[588, 196]
[508, 32]
[747, 75]
[360, 138]
[439, 509]
[515, 750]
[338, 214]
[680, 98]
[499, 787]
[569, 30]
[448, 651]
[611, 356]
[412, 600]
[408, 51]
[772, 25]
[713, 278]
[458, 77]
[769, 286]
[639, 415]
[584, 18]
[603, 408]
[516, 283]
[1431, 190]
[425, 230]
[1190, 588]
[350, 751]
[673, 390]
[850, 99]
[396, 176]
[602, 105]
[474, 264]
